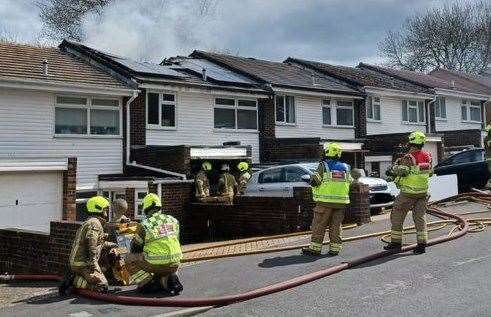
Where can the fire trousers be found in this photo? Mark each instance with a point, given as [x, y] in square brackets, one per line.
[402, 205]
[91, 278]
[327, 215]
[146, 271]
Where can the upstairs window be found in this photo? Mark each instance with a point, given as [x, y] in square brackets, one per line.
[337, 113]
[471, 111]
[87, 116]
[161, 110]
[326, 112]
[235, 114]
[285, 109]
[440, 109]
[373, 108]
[413, 111]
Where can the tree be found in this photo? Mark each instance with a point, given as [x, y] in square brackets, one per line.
[456, 36]
[63, 18]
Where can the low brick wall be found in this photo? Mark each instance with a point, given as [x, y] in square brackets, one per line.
[173, 158]
[34, 252]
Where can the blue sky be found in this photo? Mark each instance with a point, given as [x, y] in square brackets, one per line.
[343, 32]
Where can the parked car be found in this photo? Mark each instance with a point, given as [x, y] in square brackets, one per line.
[279, 181]
[469, 165]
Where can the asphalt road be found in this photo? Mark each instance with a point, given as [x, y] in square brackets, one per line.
[452, 279]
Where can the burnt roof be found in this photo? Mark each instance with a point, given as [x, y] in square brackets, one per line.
[475, 82]
[361, 76]
[26, 62]
[277, 73]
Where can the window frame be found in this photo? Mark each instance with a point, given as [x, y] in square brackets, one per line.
[373, 103]
[408, 106]
[236, 109]
[161, 94]
[438, 105]
[283, 122]
[468, 104]
[88, 107]
[333, 105]
[138, 201]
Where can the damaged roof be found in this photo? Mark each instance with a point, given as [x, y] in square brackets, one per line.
[361, 76]
[277, 73]
[476, 82]
[26, 62]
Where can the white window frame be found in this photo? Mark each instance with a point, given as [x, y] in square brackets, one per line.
[419, 122]
[439, 106]
[333, 105]
[468, 105]
[370, 116]
[138, 201]
[88, 107]
[329, 106]
[236, 108]
[284, 110]
[161, 94]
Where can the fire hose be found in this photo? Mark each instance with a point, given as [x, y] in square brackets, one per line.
[461, 229]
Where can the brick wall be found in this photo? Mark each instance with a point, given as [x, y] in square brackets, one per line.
[130, 199]
[281, 149]
[360, 118]
[461, 137]
[70, 190]
[173, 158]
[36, 253]
[176, 198]
[266, 119]
[138, 120]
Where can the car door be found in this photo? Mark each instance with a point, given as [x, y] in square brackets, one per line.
[270, 182]
[293, 178]
[467, 166]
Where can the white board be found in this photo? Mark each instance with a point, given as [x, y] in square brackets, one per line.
[441, 187]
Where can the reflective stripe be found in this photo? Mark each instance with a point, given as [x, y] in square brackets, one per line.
[422, 236]
[172, 257]
[395, 233]
[316, 246]
[138, 239]
[140, 276]
[79, 282]
[335, 247]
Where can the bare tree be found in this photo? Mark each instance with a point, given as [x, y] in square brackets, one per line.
[7, 35]
[63, 18]
[456, 36]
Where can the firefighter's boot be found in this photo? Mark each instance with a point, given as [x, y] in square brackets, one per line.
[420, 248]
[393, 246]
[174, 285]
[309, 251]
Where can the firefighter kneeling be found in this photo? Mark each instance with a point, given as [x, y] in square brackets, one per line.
[330, 188]
[412, 173]
[158, 233]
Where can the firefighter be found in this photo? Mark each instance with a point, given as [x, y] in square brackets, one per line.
[158, 233]
[411, 172]
[330, 190]
[202, 183]
[244, 176]
[487, 146]
[227, 185]
[89, 242]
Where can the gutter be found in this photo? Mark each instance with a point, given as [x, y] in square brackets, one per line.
[128, 145]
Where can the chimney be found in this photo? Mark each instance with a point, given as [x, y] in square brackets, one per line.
[45, 68]
[452, 84]
[203, 73]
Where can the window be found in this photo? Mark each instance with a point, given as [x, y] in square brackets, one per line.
[471, 111]
[294, 174]
[87, 116]
[271, 176]
[237, 114]
[161, 110]
[285, 109]
[139, 195]
[467, 157]
[344, 113]
[373, 108]
[413, 111]
[440, 108]
[326, 112]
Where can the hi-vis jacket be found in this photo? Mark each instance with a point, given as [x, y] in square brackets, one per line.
[413, 172]
[331, 182]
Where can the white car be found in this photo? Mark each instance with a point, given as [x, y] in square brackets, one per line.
[279, 181]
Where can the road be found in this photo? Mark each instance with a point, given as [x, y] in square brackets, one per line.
[452, 279]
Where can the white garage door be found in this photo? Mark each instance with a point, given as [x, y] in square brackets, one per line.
[30, 200]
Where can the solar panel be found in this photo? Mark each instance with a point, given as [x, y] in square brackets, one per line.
[213, 71]
[148, 68]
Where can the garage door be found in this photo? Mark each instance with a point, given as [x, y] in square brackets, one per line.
[30, 200]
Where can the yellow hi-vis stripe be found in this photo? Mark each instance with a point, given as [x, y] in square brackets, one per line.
[335, 247]
[316, 246]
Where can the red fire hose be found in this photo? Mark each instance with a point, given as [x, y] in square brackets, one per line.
[274, 288]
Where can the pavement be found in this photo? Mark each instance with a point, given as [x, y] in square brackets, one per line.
[451, 279]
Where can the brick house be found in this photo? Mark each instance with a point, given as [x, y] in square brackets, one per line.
[304, 110]
[60, 128]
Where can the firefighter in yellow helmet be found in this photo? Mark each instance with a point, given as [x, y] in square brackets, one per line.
[227, 185]
[158, 233]
[330, 190]
[89, 241]
[412, 172]
[202, 184]
[244, 177]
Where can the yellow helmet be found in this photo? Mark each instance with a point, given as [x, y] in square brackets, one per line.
[151, 201]
[488, 128]
[243, 166]
[96, 204]
[417, 138]
[206, 166]
[333, 150]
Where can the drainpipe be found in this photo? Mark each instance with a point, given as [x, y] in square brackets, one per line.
[134, 164]
[428, 115]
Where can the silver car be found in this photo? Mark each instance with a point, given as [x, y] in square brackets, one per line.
[279, 181]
